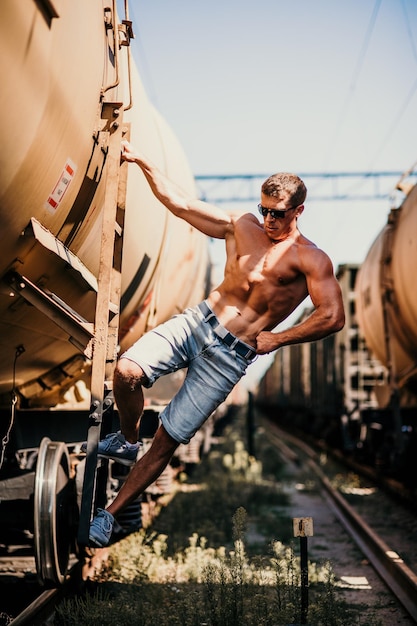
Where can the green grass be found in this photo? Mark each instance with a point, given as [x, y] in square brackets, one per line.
[220, 554]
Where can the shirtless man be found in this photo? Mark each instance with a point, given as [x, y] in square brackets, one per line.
[270, 269]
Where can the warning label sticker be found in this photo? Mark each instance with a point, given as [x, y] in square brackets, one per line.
[61, 186]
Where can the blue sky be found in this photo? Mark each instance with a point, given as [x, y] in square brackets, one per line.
[271, 85]
[303, 86]
[294, 85]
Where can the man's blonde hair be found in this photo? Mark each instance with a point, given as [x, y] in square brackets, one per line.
[287, 183]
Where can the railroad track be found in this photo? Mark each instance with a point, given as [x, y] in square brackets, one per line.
[35, 612]
[18, 580]
[398, 577]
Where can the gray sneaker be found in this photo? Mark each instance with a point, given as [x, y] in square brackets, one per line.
[101, 529]
[115, 447]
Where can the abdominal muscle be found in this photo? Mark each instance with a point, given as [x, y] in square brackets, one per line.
[262, 284]
[246, 317]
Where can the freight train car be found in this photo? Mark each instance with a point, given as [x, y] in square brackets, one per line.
[89, 259]
[387, 316]
[357, 389]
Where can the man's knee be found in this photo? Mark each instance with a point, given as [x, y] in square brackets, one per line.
[128, 375]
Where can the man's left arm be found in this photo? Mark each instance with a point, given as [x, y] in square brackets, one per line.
[327, 317]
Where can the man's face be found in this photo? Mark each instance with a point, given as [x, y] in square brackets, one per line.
[278, 214]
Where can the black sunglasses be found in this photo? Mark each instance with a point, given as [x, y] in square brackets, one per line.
[274, 213]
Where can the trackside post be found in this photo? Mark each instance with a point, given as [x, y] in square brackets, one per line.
[303, 528]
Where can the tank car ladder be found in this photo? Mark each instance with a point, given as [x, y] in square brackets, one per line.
[105, 342]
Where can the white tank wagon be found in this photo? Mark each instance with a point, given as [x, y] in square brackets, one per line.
[387, 316]
[57, 76]
[387, 302]
[89, 259]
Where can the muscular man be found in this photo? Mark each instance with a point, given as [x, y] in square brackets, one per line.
[270, 269]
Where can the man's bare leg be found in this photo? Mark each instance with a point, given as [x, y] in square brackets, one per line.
[128, 395]
[146, 470]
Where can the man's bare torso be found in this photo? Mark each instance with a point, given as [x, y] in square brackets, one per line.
[263, 280]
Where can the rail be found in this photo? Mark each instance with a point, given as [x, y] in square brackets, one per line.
[398, 577]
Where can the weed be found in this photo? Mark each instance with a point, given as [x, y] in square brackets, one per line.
[194, 568]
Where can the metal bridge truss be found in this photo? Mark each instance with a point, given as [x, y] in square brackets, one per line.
[352, 186]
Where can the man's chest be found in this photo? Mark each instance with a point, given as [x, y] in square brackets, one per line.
[276, 266]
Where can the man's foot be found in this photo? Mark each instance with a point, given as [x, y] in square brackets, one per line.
[101, 529]
[115, 447]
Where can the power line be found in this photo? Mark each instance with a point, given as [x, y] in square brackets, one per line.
[354, 80]
[396, 121]
[408, 97]
[410, 34]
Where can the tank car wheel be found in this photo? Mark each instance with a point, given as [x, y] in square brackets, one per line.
[53, 512]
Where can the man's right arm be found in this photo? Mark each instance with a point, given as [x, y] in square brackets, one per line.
[206, 217]
[328, 315]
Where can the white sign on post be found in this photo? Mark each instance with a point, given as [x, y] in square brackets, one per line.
[303, 526]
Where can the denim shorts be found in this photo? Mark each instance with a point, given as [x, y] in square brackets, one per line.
[187, 341]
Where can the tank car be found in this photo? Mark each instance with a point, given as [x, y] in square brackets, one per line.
[387, 316]
[89, 262]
